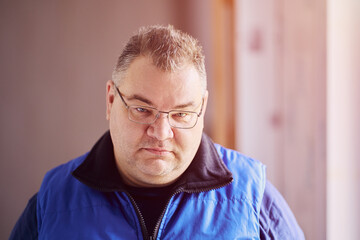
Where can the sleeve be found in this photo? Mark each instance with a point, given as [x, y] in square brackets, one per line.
[276, 219]
[26, 226]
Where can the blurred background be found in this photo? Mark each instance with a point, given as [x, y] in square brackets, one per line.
[283, 81]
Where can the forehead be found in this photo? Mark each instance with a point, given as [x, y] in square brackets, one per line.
[162, 87]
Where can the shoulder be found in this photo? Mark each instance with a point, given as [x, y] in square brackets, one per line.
[276, 218]
[26, 226]
[245, 170]
[64, 169]
[60, 174]
[238, 161]
[249, 176]
[58, 183]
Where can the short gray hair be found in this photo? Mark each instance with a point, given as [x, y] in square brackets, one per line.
[169, 49]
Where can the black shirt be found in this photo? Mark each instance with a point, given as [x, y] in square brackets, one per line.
[151, 203]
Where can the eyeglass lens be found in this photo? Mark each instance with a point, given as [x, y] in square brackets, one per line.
[146, 115]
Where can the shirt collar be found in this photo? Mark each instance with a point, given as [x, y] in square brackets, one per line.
[207, 171]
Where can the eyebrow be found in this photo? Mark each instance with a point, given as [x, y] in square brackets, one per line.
[185, 105]
[140, 98]
[147, 101]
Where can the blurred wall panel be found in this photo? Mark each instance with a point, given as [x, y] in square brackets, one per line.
[281, 85]
[223, 94]
[259, 86]
[304, 102]
[56, 57]
[343, 117]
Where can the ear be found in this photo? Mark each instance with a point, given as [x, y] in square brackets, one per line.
[110, 96]
[206, 96]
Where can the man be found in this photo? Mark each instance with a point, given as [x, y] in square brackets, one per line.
[155, 174]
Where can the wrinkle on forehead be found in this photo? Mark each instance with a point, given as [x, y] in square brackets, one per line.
[146, 61]
[150, 85]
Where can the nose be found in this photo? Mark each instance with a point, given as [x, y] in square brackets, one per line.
[160, 129]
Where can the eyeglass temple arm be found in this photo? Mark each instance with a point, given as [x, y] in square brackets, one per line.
[202, 105]
[122, 99]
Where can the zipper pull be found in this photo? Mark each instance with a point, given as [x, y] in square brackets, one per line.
[151, 238]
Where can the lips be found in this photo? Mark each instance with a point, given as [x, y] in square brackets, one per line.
[158, 151]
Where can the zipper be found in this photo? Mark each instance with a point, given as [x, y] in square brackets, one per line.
[179, 190]
[137, 210]
[140, 217]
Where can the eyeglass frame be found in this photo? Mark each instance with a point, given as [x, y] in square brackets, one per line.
[158, 112]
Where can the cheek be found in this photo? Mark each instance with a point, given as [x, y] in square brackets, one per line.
[128, 134]
[123, 131]
[197, 134]
[188, 141]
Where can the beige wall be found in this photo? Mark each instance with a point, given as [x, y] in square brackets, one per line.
[343, 120]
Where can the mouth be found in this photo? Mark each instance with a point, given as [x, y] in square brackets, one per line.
[158, 151]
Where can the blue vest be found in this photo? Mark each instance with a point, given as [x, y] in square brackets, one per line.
[69, 209]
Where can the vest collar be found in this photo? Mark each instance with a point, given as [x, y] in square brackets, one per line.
[206, 172]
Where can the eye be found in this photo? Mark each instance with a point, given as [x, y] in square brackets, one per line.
[181, 114]
[141, 110]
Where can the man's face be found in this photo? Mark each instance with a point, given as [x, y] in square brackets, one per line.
[156, 154]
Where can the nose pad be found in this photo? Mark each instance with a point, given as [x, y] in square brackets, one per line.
[161, 129]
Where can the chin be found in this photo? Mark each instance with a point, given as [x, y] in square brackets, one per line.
[155, 167]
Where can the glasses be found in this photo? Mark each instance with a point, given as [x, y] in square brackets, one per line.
[148, 115]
